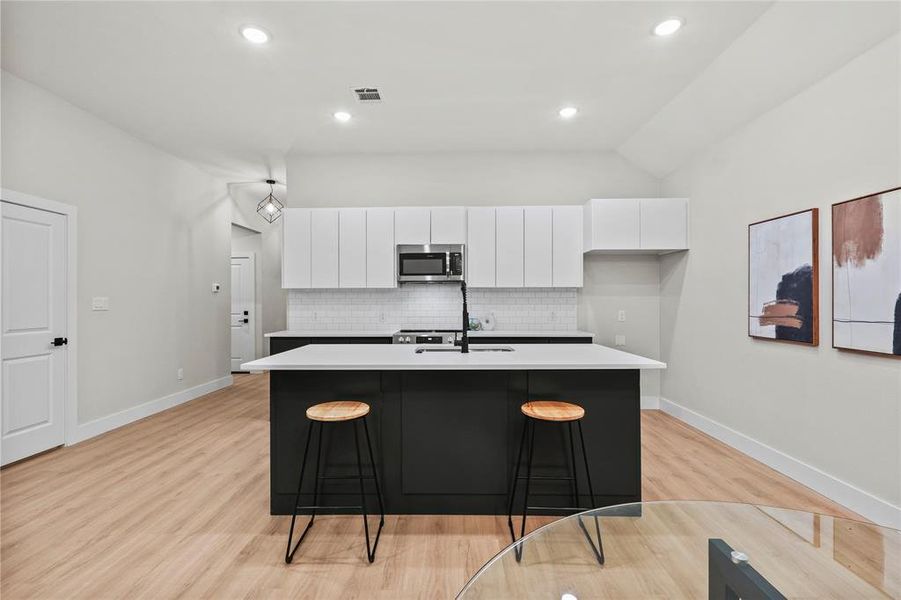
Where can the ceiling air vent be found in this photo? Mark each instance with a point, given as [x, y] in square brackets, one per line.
[367, 94]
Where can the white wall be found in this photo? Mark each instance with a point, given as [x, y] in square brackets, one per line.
[506, 178]
[153, 235]
[835, 411]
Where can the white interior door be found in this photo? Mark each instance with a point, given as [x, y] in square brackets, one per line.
[243, 319]
[34, 331]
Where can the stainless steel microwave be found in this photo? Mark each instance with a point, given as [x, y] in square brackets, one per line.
[431, 263]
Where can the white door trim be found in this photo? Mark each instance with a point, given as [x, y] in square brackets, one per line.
[71, 213]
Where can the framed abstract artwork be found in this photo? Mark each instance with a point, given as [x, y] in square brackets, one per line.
[866, 274]
[783, 278]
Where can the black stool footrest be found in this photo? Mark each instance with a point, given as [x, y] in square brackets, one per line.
[328, 507]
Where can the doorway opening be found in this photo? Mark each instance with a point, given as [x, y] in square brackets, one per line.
[246, 335]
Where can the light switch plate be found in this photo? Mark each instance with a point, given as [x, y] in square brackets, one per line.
[620, 340]
[100, 303]
[621, 316]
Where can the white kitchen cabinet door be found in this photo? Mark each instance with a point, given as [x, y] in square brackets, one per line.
[352, 247]
[324, 247]
[509, 247]
[480, 247]
[614, 224]
[537, 246]
[380, 248]
[296, 249]
[567, 269]
[664, 223]
[412, 225]
[448, 225]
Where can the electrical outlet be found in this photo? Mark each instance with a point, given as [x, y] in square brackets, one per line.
[315, 316]
[99, 303]
[382, 316]
[180, 374]
[553, 316]
[621, 316]
[620, 340]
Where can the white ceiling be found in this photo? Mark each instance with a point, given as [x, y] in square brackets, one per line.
[455, 76]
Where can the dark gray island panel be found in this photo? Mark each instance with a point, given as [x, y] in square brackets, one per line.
[447, 439]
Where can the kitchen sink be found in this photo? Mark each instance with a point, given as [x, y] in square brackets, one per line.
[480, 348]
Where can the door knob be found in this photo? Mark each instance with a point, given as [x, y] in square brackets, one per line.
[60, 341]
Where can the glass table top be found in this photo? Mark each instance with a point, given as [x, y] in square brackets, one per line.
[681, 549]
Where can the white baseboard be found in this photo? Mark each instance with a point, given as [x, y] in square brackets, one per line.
[94, 428]
[865, 504]
[650, 402]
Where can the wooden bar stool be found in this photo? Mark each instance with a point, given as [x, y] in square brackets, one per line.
[551, 411]
[337, 412]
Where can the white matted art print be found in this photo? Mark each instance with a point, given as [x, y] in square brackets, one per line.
[783, 278]
[866, 273]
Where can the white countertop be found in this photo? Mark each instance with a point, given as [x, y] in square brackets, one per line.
[303, 333]
[385, 333]
[401, 357]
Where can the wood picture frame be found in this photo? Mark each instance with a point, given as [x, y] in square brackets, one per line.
[784, 279]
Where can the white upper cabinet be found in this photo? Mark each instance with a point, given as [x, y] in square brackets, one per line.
[296, 248]
[324, 247]
[664, 223]
[480, 247]
[352, 247]
[380, 248]
[412, 225]
[509, 247]
[612, 224]
[637, 225]
[537, 246]
[567, 251]
[448, 225]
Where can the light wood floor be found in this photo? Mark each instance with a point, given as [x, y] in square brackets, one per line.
[176, 506]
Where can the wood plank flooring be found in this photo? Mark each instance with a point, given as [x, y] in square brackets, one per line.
[176, 505]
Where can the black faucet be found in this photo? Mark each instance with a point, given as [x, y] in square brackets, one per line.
[464, 340]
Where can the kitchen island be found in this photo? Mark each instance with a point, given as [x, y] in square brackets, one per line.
[446, 426]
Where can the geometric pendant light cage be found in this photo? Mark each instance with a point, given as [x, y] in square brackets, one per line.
[269, 207]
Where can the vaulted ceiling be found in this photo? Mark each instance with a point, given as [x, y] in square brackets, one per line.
[455, 76]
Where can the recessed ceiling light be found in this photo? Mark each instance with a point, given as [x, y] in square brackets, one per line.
[568, 112]
[254, 34]
[668, 27]
[342, 116]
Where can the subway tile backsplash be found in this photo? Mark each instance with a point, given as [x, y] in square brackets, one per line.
[431, 306]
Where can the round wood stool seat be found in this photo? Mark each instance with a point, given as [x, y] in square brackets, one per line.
[342, 410]
[552, 410]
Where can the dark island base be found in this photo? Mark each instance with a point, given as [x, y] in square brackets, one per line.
[447, 440]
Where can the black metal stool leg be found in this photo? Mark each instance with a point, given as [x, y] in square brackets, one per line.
[370, 549]
[378, 492]
[522, 443]
[572, 457]
[375, 475]
[599, 548]
[525, 501]
[289, 552]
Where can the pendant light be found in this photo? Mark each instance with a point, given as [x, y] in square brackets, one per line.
[269, 207]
